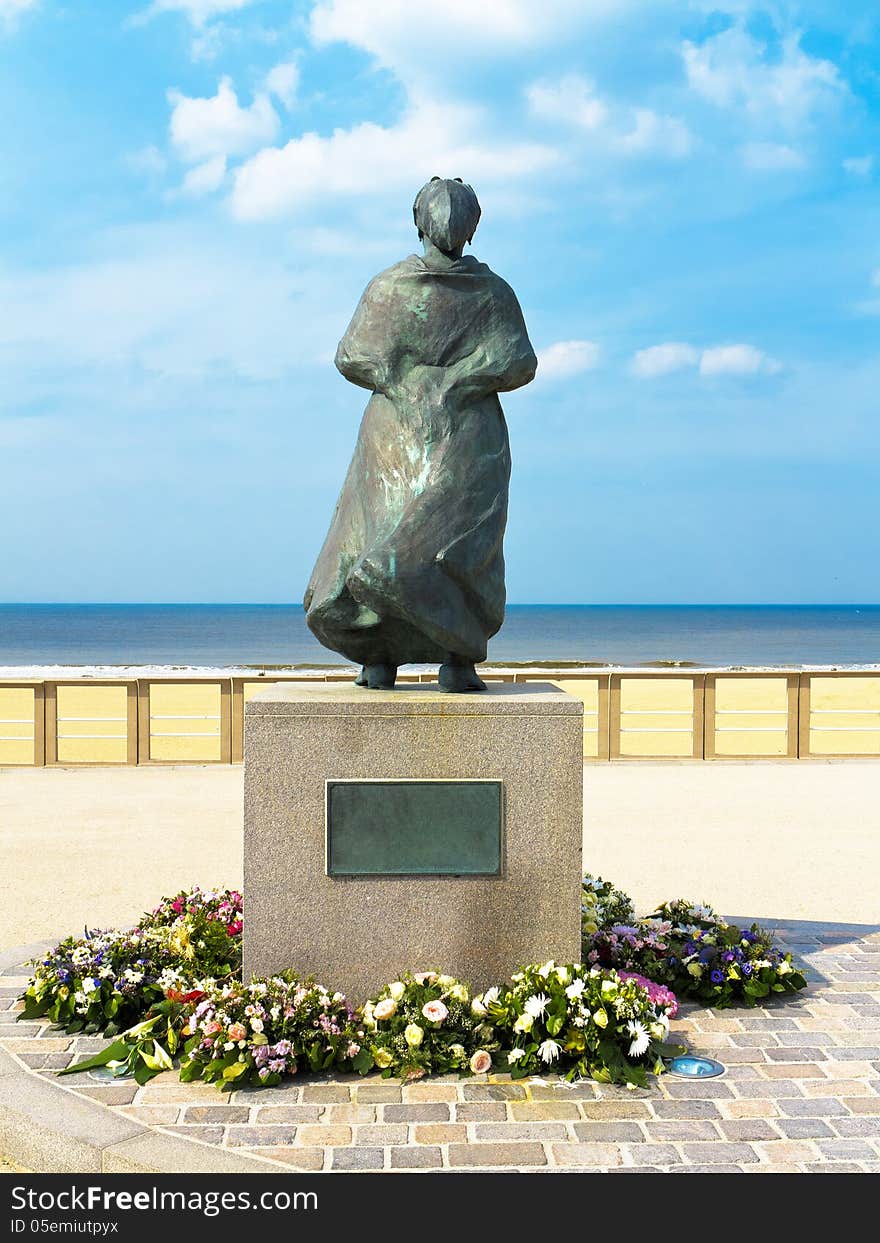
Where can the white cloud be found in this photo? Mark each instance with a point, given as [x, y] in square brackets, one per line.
[205, 178]
[432, 138]
[572, 101]
[149, 161]
[737, 360]
[197, 11]
[202, 129]
[732, 69]
[859, 166]
[659, 360]
[10, 9]
[772, 157]
[282, 82]
[567, 358]
[740, 359]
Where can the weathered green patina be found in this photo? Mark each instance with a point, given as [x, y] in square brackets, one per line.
[412, 569]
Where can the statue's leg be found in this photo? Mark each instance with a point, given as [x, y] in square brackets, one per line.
[361, 679]
[458, 674]
[379, 677]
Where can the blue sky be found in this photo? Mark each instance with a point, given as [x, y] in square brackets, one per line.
[193, 194]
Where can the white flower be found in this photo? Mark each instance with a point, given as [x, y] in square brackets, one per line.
[425, 977]
[549, 1051]
[491, 994]
[574, 990]
[477, 1007]
[413, 1035]
[562, 975]
[458, 1051]
[536, 1005]
[660, 1029]
[434, 1011]
[640, 1038]
[514, 1055]
[397, 989]
[385, 1009]
[546, 969]
[459, 992]
[481, 1062]
[524, 1023]
[609, 986]
[257, 1025]
[784, 968]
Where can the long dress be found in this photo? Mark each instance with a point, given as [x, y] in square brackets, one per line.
[412, 568]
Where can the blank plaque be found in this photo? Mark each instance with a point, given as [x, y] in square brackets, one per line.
[439, 828]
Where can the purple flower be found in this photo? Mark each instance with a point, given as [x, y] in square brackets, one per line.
[746, 969]
[717, 977]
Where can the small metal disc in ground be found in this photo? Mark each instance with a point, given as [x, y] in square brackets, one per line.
[691, 1067]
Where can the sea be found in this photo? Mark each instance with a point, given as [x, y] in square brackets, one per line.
[276, 636]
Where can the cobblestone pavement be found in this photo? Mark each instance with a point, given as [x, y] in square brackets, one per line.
[801, 1093]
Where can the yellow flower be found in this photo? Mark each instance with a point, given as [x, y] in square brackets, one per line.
[413, 1035]
[460, 993]
[397, 989]
[695, 969]
[600, 1018]
[382, 1058]
[524, 1023]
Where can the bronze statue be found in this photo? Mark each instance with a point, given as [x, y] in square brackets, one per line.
[412, 569]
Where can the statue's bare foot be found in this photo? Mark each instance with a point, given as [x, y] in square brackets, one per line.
[361, 679]
[378, 677]
[459, 675]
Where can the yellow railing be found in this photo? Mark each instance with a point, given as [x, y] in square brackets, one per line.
[628, 715]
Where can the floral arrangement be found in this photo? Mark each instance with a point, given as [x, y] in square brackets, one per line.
[602, 904]
[691, 949]
[580, 1021]
[105, 981]
[427, 1023]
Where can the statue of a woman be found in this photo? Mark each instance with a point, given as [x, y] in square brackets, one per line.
[412, 569]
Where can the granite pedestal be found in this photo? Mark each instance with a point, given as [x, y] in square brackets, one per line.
[357, 932]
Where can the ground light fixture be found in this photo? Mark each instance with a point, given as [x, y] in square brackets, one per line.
[691, 1067]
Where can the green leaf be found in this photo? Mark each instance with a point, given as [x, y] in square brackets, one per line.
[235, 1071]
[119, 1049]
[363, 1061]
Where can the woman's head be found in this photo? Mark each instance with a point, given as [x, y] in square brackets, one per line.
[446, 212]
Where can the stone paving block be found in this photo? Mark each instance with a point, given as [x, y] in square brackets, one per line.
[867, 1105]
[846, 1149]
[608, 1132]
[766, 1023]
[377, 1094]
[164, 1153]
[855, 1053]
[806, 1128]
[865, 1126]
[430, 1091]
[501, 1132]
[544, 1111]
[773, 1167]
[358, 1159]
[818, 1039]
[587, 1155]
[770, 1089]
[713, 1154]
[754, 1040]
[818, 1107]
[619, 1109]
[443, 1133]
[416, 1113]
[326, 1094]
[515, 1155]
[49, 1044]
[493, 1092]
[747, 1129]
[416, 1158]
[686, 1109]
[323, 1136]
[152, 1115]
[474, 1111]
[756, 1108]
[785, 1150]
[681, 1090]
[287, 1093]
[580, 1090]
[840, 1087]
[112, 1094]
[220, 1114]
[653, 1154]
[348, 1113]
[811, 1053]
[264, 1136]
[25, 1029]
[296, 1158]
[205, 1134]
[833, 1167]
[795, 1070]
[849, 1070]
[720, 1168]
[381, 1135]
[45, 1061]
[680, 1130]
[268, 1115]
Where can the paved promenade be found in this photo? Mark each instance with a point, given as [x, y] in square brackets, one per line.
[774, 840]
[801, 1093]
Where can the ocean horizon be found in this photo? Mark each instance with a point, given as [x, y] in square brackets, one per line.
[276, 635]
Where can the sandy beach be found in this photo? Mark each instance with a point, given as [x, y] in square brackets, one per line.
[764, 840]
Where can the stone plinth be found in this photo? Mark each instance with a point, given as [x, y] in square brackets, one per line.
[355, 933]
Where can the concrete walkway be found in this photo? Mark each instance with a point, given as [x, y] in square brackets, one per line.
[774, 840]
